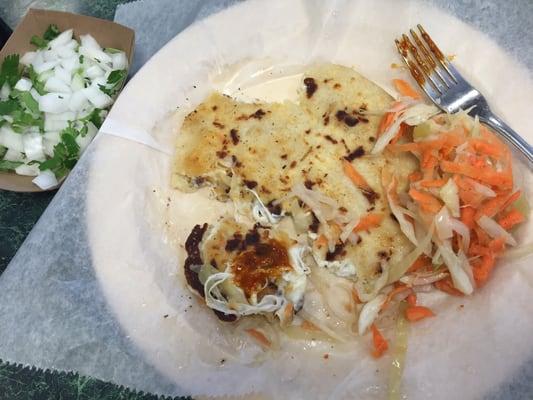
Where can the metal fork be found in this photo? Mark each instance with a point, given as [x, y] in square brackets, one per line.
[445, 86]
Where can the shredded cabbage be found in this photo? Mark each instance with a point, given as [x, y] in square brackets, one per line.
[449, 193]
[460, 278]
[495, 230]
[405, 226]
[369, 313]
[261, 213]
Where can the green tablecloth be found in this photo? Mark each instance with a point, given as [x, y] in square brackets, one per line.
[18, 213]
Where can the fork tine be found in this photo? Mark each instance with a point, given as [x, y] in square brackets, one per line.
[415, 71]
[437, 53]
[422, 63]
[428, 59]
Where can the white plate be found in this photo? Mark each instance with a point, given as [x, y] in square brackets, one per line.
[140, 270]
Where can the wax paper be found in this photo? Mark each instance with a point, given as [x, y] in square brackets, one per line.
[95, 289]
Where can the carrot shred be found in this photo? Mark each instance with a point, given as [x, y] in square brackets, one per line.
[411, 299]
[392, 293]
[512, 218]
[481, 270]
[355, 176]
[415, 176]
[369, 221]
[379, 342]
[421, 262]
[484, 174]
[309, 326]
[417, 313]
[427, 202]
[402, 131]
[493, 206]
[385, 122]
[467, 216]
[405, 89]
[321, 241]
[445, 285]
[259, 336]
[497, 245]
[433, 183]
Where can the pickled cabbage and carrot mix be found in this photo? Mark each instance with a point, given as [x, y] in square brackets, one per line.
[346, 204]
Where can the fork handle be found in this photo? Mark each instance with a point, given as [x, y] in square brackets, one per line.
[508, 133]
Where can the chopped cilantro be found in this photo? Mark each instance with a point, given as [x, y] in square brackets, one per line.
[37, 84]
[8, 106]
[28, 101]
[51, 32]
[114, 81]
[66, 154]
[22, 120]
[6, 165]
[10, 71]
[95, 117]
[38, 42]
[42, 42]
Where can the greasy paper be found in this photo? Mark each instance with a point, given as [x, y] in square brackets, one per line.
[35, 22]
[97, 287]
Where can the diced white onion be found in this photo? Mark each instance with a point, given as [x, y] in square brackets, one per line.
[71, 63]
[28, 170]
[77, 83]
[54, 84]
[62, 74]
[45, 180]
[11, 139]
[369, 313]
[23, 84]
[51, 125]
[13, 155]
[98, 98]
[44, 66]
[119, 60]
[495, 230]
[94, 72]
[62, 39]
[78, 101]
[90, 48]
[28, 58]
[54, 102]
[33, 146]
[49, 55]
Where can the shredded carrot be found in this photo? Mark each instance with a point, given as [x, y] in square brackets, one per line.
[386, 121]
[392, 293]
[415, 176]
[483, 147]
[380, 343]
[405, 89]
[467, 192]
[354, 176]
[485, 174]
[402, 131]
[369, 221]
[411, 299]
[497, 245]
[445, 285]
[416, 313]
[452, 139]
[481, 270]
[421, 262]
[259, 336]
[321, 241]
[355, 296]
[467, 216]
[427, 202]
[433, 183]
[309, 326]
[512, 218]
[493, 206]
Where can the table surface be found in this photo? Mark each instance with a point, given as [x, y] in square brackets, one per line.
[20, 211]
